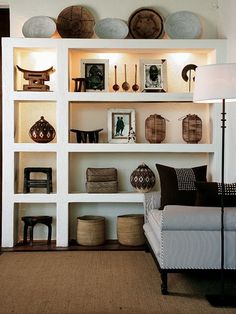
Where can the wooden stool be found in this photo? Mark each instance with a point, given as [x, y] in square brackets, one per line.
[31, 221]
[82, 84]
[82, 136]
[37, 183]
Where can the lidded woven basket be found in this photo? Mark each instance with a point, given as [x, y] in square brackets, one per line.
[142, 178]
[192, 129]
[155, 128]
[42, 131]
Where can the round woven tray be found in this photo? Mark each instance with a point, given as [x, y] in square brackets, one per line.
[75, 22]
[146, 24]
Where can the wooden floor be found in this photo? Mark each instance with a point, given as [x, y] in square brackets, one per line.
[109, 245]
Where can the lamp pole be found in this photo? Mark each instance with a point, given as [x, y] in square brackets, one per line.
[216, 83]
[222, 299]
[219, 300]
[222, 275]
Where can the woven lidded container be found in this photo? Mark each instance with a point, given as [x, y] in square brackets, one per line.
[142, 178]
[42, 131]
[102, 187]
[130, 229]
[101, 174]
[192, 129]
[90, 230]
[155, 128]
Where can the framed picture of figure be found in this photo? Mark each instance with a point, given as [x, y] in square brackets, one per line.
[95, 72]
[120, 123]
[153, 75]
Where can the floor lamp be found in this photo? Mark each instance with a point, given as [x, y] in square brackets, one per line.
[216, 83]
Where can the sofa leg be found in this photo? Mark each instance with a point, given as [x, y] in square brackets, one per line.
[164, 282]
[146, 247]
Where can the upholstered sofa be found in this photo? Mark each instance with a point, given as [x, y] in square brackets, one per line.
[188, 237]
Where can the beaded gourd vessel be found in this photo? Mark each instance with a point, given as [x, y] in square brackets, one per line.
[42, 131]
[143, 179]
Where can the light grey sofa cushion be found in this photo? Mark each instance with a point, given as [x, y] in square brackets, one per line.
[178, 217]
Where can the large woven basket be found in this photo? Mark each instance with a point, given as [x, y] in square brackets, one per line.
[130, 229]
[90, 230]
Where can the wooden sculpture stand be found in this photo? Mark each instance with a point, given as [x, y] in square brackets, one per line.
[80, 84]
[36, 79]
[82, 136]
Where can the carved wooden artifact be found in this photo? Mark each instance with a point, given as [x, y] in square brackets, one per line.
[83, 136]
[36, 79]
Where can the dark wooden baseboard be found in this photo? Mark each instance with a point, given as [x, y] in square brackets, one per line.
[109, 245]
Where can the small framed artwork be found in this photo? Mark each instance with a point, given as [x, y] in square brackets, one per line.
[120, 123]
[96, 73]
[153, 75]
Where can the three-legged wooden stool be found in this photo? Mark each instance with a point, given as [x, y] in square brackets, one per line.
[31, 221]
[37, 183]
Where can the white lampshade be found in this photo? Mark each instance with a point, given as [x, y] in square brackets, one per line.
[215, 82]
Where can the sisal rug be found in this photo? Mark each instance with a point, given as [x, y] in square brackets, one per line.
[101, 282]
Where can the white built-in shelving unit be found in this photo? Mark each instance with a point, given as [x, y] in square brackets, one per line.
[66, 109]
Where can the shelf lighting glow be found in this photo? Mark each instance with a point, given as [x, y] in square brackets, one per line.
[42, 60]
[114, 58]
[180, 57]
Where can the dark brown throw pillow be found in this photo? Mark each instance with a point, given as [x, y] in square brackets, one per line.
[178, 184]
[209, 194]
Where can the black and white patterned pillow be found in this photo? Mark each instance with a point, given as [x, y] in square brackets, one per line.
[209, 194]
[185, 179]
[178, 184]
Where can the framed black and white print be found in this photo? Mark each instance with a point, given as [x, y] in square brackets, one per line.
[95, 72]
[120, 122]
[153, 75]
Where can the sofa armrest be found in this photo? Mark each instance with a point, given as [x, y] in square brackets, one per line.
[152, 200]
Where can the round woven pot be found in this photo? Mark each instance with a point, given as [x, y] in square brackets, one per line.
[42, 131]
[90, 230]
[130, 229]
[142, 179]
[75, 22]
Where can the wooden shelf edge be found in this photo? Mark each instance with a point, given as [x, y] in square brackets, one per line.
[41, 246]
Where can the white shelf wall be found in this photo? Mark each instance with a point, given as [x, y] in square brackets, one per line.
[214, 51]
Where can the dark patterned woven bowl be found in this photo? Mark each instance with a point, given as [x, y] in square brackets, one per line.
[42, 131]
[143, 179]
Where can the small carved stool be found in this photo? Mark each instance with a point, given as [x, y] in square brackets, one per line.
[37, 183]
[31, 221]
[83, 136]
[81, 87]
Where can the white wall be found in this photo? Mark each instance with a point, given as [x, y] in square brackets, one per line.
[207, 10]
[227, 29]
[21, 10]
